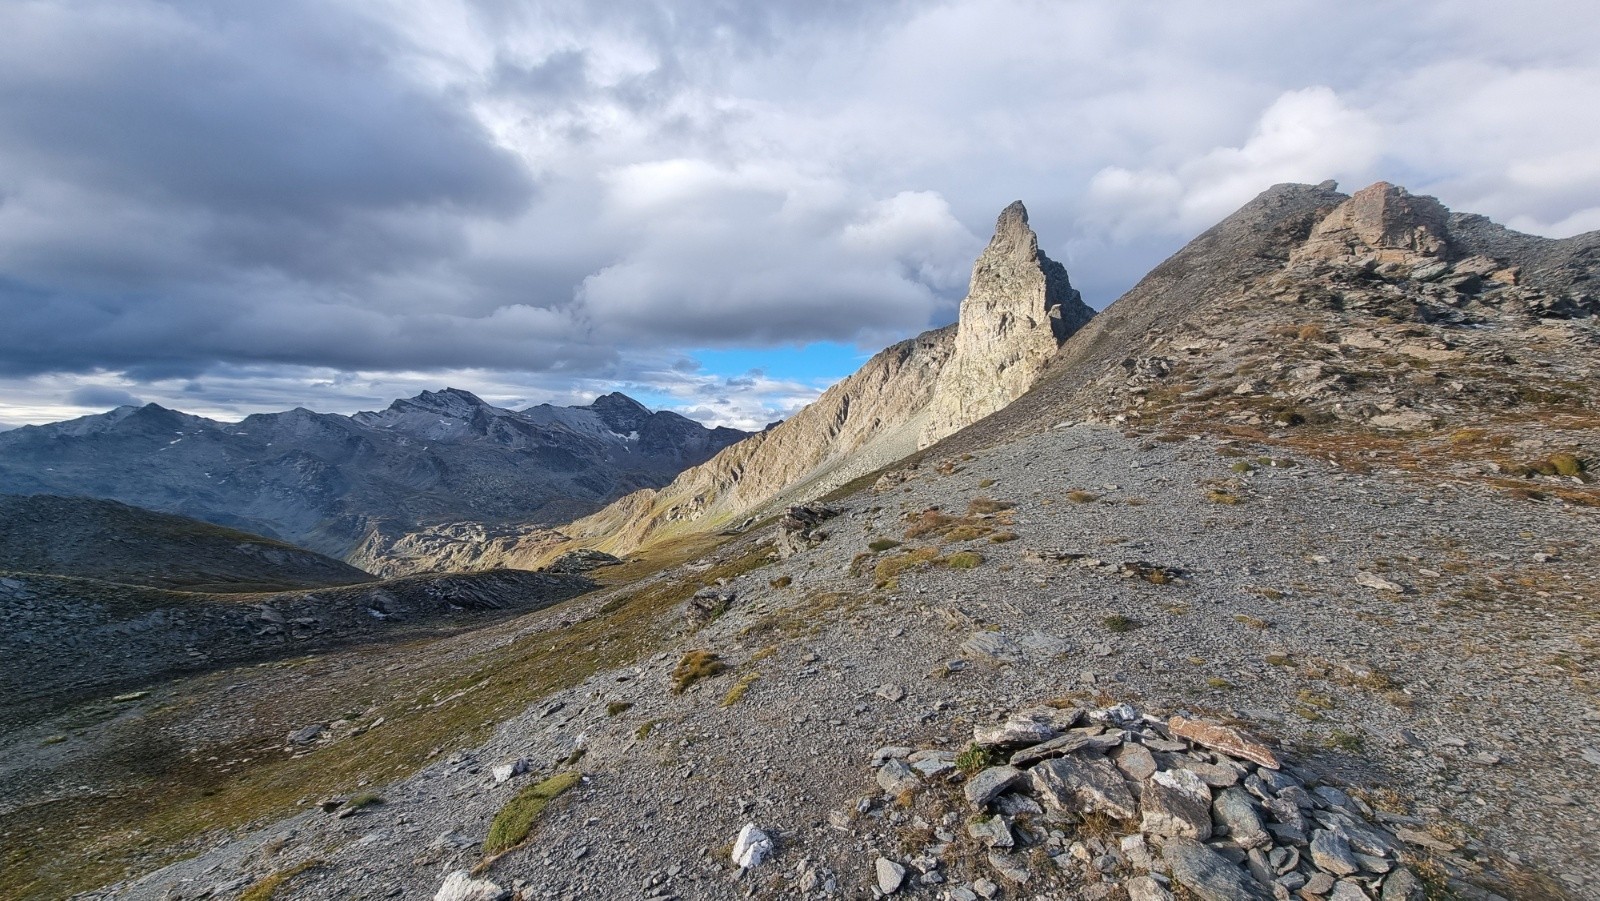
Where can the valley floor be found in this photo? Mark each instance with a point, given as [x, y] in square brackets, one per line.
[1429, 644]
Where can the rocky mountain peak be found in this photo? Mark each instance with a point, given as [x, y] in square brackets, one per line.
[1384, 221]
[1020, 306]
[449, 400]
[620, 413]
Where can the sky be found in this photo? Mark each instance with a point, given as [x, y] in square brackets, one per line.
[718, 207]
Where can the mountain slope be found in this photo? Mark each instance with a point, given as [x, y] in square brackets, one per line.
[331, 483]
[63, 637]
[113, 542]
[1019, 308]
[1277, 488]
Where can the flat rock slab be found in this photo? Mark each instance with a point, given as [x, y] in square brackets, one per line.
[1087, 786]
[986, 785]
[1222, 738]
[1176, 803]
[1208, 874]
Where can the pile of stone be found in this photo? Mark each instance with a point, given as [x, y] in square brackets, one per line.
[801, 529]
[1124, 804]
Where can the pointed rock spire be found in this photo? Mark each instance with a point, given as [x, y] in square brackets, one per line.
[1019, 307]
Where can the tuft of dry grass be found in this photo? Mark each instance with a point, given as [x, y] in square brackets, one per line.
[1082, 497]
[1227, 498]
[782, 582]
[980, 506]
[739, 688]
[267, 887]
[694, 666]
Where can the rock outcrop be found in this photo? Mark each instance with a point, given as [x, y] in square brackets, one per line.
[863, 423]
[1019, 308]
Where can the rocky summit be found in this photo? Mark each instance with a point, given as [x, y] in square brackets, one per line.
[1271, 580]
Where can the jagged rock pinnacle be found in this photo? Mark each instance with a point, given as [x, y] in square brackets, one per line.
[1020, 306]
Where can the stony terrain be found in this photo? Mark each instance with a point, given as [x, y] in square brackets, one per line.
[114, 542]
[1334, 611]
[1323, 477]
[63, 637]
[347, 486]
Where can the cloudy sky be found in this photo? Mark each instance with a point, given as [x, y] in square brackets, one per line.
[230, 206]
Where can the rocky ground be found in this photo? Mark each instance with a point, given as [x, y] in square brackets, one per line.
[1421, 644]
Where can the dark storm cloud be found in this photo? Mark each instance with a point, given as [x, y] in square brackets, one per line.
[231, 202]
[97, 396]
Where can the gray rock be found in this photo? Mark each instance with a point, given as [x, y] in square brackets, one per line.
[1010, 867]
[1348, 890]
[1135, 760]
[1319, 884]
[1331, 853]
[1176, 802]
[891, 692]
[1402, 885]
[894, 777]
[1234, 810]
[305, 735]
[993, 832]
[1208, 874]
[993, 645]
[1076, 785]
[460, 886]
[982, 788]
[891, 752]
[752, 847]
[1013, 733]
[1055, 747]
[1146, 888]
[890, 876]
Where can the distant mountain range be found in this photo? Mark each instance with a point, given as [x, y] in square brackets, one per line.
[331, 483]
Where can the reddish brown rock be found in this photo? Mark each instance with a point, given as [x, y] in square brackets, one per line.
[1222, 738]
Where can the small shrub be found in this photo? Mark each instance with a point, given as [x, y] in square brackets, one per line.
[1566, 465]
[1116, 622]
[1002, 537]
[363, 800]
[512, 824]
[618, 707]
[694, 666]
[964, 560]
[1242, 467]
[976, 758]
[1218, 683]
[1349, 742]
[1081, 497]
[782, 582]
[645, 728]
[1227, 498]
[986, 483]
[1311, 333]
[1251, 621]
[883, 544]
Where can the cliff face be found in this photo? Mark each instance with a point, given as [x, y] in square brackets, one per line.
[866, 421]
[1018, 310]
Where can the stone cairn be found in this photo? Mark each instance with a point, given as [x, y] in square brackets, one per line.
[1111, 804]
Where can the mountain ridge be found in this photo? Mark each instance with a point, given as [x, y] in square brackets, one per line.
[335, 483]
